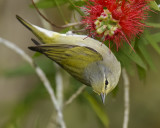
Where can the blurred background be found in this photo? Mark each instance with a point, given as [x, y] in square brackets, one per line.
[25, 103]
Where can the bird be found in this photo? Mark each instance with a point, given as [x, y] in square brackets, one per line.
[88, 60]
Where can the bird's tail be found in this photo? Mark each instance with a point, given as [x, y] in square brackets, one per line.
[43, 35]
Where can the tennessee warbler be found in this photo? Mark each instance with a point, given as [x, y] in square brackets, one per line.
[86, 59]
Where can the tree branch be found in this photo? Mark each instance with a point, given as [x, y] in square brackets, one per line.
[71, 24]
[59, 86]
[41, 75]
[126, 98]
[75, 95]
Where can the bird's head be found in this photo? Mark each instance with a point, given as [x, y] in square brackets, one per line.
[103, 78]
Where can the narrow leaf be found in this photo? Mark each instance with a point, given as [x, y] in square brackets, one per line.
[156, 47]
[75, 7]
[155, 25]
[147, 57]
[36, 54]
[98, 110]
[153, 43]
[141, 72]
[133, 56]
[43, 4]
[78, 4]
[137, 59]
[156, 37]
[125, 62]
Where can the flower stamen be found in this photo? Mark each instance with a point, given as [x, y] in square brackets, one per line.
[106, 24]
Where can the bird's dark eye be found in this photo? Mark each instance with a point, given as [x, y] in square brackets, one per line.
[106, 83]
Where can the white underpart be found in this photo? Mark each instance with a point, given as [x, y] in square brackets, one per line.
[80, 44]
[47, 32]
[84, 36]
[69, 33]
[51, 33]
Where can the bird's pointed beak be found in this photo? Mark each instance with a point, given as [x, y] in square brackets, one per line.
[103, 95]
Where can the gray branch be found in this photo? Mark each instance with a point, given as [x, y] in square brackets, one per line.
[126, 98]
[59, 86]
[41, 75]
[74, 96]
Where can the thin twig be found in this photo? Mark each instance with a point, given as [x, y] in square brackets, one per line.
[81, 30]
[126, 98]
[41, 75]
[59, 86]
[71, 24]
[64, 26]
[44, 16]
[53, 121]
[75, 95]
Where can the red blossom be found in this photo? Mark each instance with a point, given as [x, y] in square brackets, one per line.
[116, 20]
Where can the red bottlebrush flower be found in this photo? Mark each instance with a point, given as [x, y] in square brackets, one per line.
[116, 20]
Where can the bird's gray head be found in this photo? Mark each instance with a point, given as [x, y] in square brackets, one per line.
[103, 78]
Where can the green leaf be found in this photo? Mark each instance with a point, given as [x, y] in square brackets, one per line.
[133, 56]
[60, 11]
[137, 59]
[115, 91]
[98, 109]
[141, 72]
[154, 5]
[156, 37]
[143, 50]
[43, 4]
[153, 43]
[155, 25]
[156, 47]
[65, 30]
[36, 54]
[78, 4]
[125, 62]
[72, 4]
[145, 41]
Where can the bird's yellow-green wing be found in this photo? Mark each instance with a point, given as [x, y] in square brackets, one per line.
[72, 58]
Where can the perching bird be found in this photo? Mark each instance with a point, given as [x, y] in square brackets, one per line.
[86, 59]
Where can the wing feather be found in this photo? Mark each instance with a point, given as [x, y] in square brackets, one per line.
[72, 58]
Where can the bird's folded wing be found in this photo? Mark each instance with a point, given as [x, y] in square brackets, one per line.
[73, 58]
